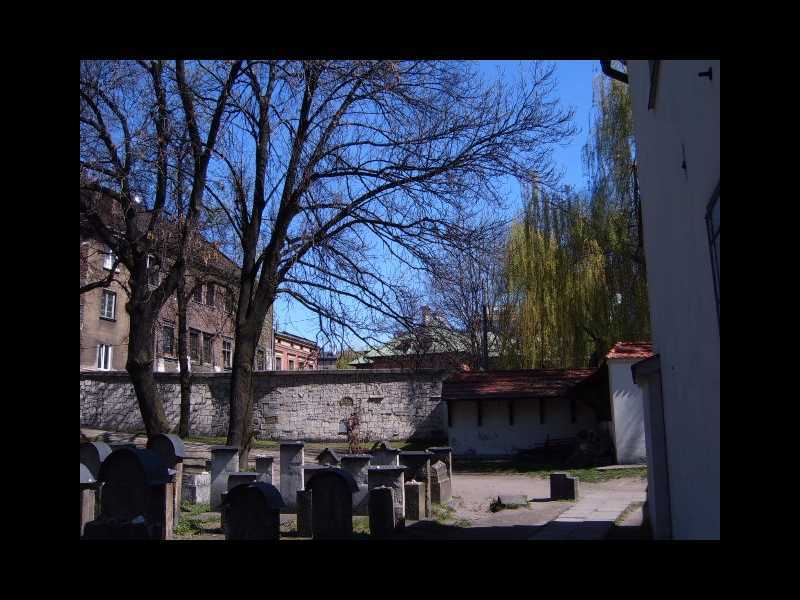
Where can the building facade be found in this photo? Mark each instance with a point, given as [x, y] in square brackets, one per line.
[105, 323]
[677, 129]
[295, 353]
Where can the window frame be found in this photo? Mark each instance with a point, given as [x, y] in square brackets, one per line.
[103, 305]
[172, 351]
[208, 358]
[194, 333]
[109, 258]
[227, 355]
[197, 295]
[210, 293]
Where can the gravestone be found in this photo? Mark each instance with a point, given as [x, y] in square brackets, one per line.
[264, 468]
[310, 470]
[171, 450]
[196, 487]
[121, 445]
[93, 454]
[444, 454]
[381, 512]
[292, 464]
[563, 487]
[391, 477]
[88, 489]
[332, 504]
[224, 460]
[304, 508]
[418, 467]
[329, 457]
[441, 491]
[357, 465]
[235, 478]
[385, 455]
[415, 500]
[137, 500]
[253, 512]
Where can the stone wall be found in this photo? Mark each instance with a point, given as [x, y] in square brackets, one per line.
[289, 405]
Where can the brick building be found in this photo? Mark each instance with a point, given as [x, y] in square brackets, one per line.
[294, 353]
[213, 283]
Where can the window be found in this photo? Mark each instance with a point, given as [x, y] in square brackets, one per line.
[229, 301]
[198, 293]
[277, 363]
[108, 305]
[104, 357]
[712, 225]
[168, 339]
[194, 345]
[226, 354]
[291, 365]
[208, 341]
[210, 294]
[260, 363]
[302, 366]
[108, 259]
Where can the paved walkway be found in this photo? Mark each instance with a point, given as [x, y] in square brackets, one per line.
[593, 515]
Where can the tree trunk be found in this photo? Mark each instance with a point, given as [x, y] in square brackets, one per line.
[241, 400]
[140, 369]
[183, 359]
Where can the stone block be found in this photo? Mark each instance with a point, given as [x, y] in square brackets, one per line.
[196, 488]
[563, 487]
[304, 513]
[441, 490]
[381, 512]
[415, 500]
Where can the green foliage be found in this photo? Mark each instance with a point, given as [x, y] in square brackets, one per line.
[574, 263]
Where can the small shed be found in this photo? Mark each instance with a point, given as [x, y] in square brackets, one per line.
[627, 408]
[497, 413]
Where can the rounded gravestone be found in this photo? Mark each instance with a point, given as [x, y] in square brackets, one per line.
[93, 454]
[127, 476]
[169, 446]
[253, 512]
[332, 503]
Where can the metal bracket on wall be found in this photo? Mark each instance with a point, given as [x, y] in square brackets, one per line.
[705, 74]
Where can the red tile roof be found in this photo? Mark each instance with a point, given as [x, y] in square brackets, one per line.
[520, 384]
[632, 350]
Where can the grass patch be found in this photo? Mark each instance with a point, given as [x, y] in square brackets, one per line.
[521, 466]
[189, 510]
[361, 525]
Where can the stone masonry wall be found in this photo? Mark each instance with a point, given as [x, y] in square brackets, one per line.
[289, 405]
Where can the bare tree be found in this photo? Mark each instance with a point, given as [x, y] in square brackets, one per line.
[127, 117]
[344, 176]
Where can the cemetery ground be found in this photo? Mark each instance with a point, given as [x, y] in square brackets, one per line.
[613, 496]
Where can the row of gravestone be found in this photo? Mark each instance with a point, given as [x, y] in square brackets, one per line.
[129, 493]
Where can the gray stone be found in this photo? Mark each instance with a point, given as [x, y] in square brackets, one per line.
[292, 478]
[441, 490]
[381, 512]
[563, 487]
[513, 501]
[418, 467]
[391, 477]
[171, 450]
[385, 455]
[358, 465]
[264, 468]
[304, 513]
[196, 488]
[444, 454]
[329, 457]
[253, 512]
[415, 500]
[332, 504]
[224, 460]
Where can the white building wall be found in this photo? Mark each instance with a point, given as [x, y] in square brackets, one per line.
[497, 437]
[627, 412]
[685, 124]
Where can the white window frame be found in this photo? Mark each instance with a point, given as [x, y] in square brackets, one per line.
[105, 355]
[103, 305]
[108, 260]
[227, 355]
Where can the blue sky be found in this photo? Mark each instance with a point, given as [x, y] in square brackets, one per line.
[574, 89]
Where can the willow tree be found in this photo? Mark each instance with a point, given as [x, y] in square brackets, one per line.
[574, 264]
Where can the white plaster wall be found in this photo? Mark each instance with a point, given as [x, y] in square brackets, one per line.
[627, 411]
[496, 437]
[682, 307]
